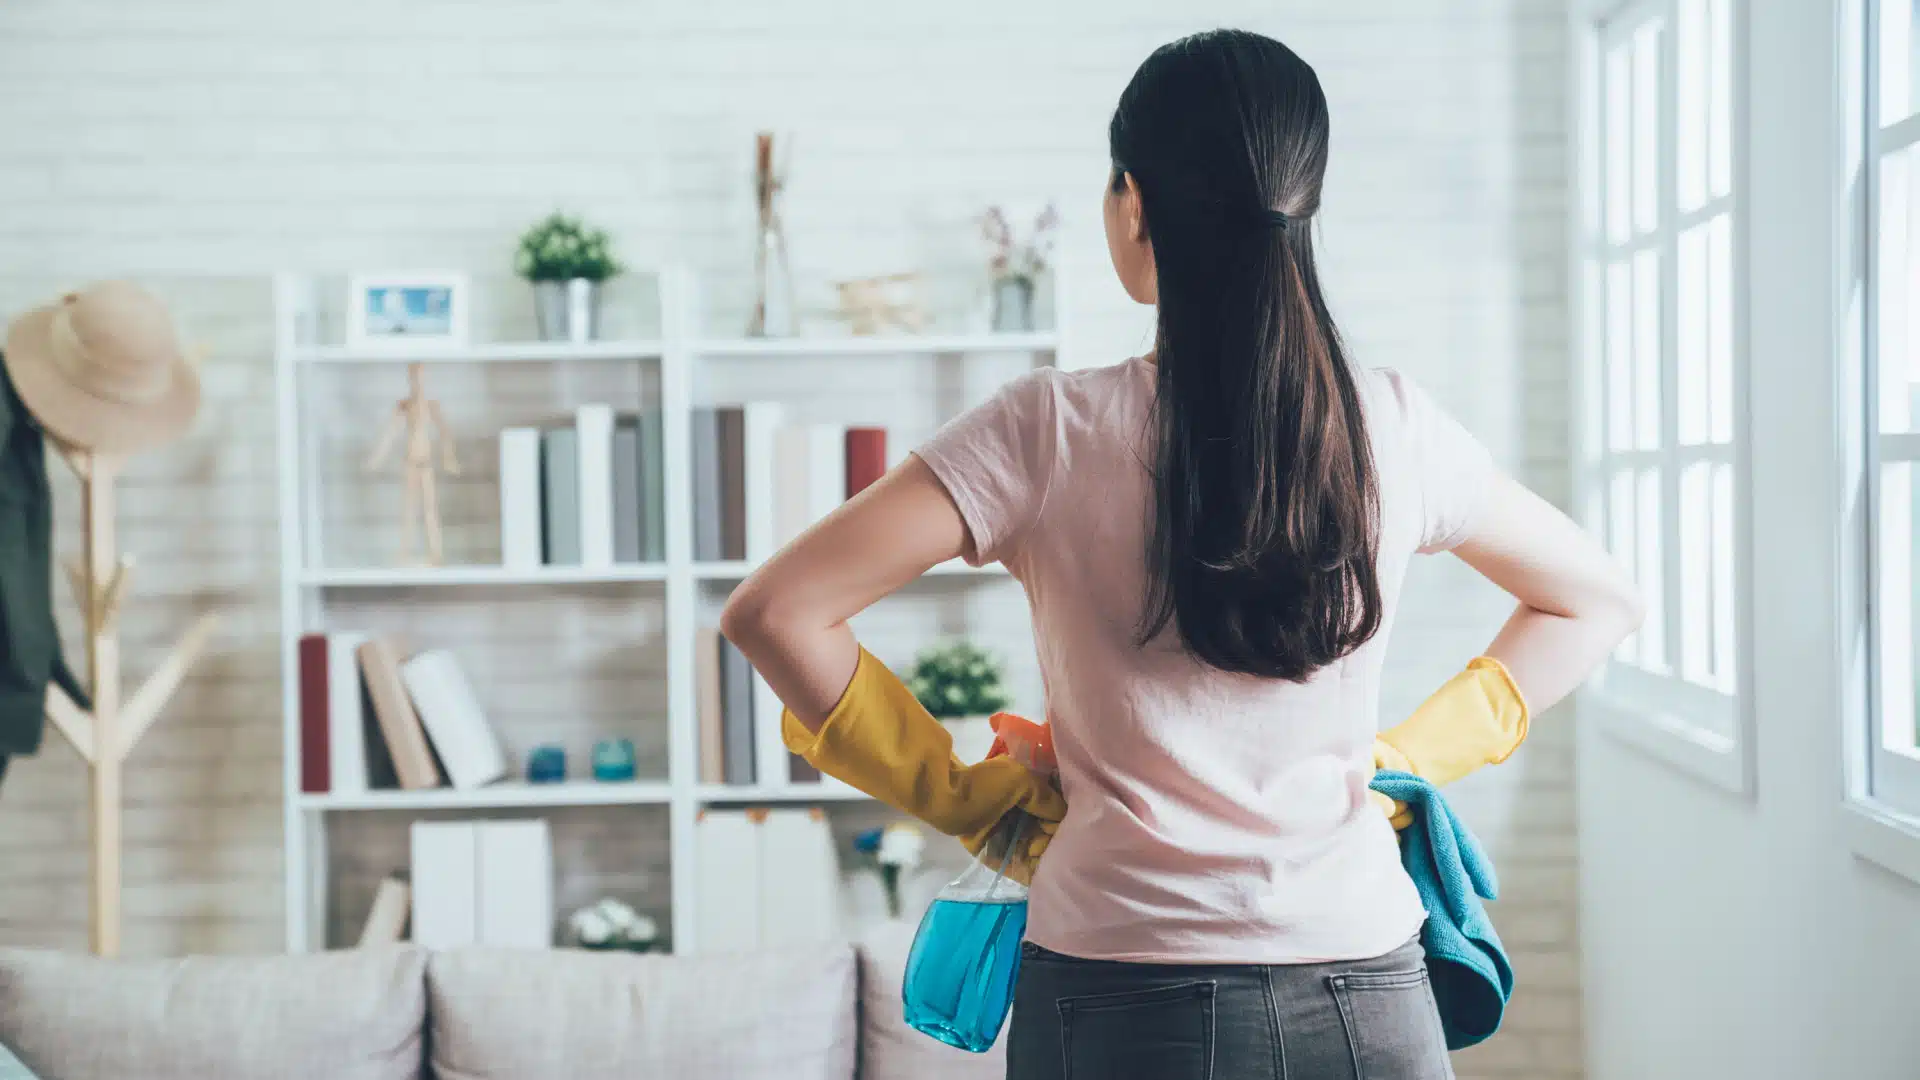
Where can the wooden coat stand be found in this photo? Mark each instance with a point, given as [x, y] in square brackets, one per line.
[107, 734]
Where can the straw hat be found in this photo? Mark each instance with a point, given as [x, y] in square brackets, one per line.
[102, 369]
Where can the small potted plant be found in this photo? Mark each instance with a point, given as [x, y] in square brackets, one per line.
[960, 684]
[567, 262]
[895, 851]
[1015, 265]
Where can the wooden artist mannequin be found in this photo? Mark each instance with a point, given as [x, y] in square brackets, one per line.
[415, 414]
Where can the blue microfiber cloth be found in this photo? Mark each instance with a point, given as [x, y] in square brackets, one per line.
[1466, 963]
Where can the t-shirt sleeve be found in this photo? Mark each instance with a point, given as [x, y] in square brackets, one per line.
[996, 460]
[1454, 470]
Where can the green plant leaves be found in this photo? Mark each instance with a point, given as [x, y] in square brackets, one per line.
[561, 248]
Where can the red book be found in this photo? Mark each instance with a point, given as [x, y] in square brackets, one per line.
[315, 776]
[866, 457]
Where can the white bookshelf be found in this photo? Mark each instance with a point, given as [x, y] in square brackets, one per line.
[311, 582]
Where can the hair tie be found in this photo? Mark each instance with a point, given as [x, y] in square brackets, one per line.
[1274, 219]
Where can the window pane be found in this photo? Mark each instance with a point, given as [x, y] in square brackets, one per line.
[1690, 315]
[1646, 349]
[1651, 564]
[1646, 127]
[1720, 403]
[1696, 573]
[1690, 146]
[1720, 106]
[1898, 360]
[1620, 540]
[1896, 60]
[1619, 152]
[1619, 357]
[1895, 605]
[1724, 669]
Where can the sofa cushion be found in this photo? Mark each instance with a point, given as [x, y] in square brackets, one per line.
[499, 1014]
[329, 1016]
[889, 1049]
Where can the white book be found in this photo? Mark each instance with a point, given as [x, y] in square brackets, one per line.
[594, 427]
[826, 469]
[346, 716]
[520, 498]
[790, 496]
[726, 854]
[387, 918]
[446, 909]
[771, 767]
[516, 884]
[799, 879]
[763, 421]
[453, 718]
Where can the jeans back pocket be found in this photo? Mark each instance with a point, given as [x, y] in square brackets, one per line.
[1162, 1033]
[1393, 1025]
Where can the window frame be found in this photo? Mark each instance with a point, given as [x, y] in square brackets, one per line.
[1702, 732]
[1882, 787]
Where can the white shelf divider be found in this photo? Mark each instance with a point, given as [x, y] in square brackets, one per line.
[307, 583]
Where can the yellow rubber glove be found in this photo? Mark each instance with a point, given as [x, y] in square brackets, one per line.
[880, 739]
[1478, 718]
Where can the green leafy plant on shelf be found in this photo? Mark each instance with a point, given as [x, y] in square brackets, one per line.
[563, 248]
[956, 680]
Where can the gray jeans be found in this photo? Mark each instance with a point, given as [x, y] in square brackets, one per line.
[1101, 1020]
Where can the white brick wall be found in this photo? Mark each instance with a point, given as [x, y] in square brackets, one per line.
[202, 144]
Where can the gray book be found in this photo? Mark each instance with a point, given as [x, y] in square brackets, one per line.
[626, 491]
[705, 436]
[560, 475]
[736, 713]
[653, 491]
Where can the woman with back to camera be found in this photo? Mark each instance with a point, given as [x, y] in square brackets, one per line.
[1212, 538]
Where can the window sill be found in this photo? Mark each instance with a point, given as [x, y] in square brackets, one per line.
[1688, 747]
[1883, 835]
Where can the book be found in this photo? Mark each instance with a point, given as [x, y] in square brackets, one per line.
[705, 437]
[346, 715]
[826, 469]
[866, 457]
[626, 491]
[560, 474]
[769, 749]
[653, 492]
[515, 884]
[450, 711]
[760, 460]
[400, 726]
[727, 881]
[387, 918]
[315, 744]
[791, 498]
[593, 425]
[736, 714]
[445, 900]
[799, 878]
[706, 698]
[731, 428]
[520, 540]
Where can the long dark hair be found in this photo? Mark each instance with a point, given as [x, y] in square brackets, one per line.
[1266, 508]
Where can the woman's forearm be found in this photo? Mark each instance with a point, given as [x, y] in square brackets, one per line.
[1550, 655]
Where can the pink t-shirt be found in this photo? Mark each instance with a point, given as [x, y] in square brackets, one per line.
[1212, 817]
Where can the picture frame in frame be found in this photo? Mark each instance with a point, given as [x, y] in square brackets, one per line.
[421, 311]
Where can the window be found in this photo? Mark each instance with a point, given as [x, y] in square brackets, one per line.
[1661, 459]
[1882, 157]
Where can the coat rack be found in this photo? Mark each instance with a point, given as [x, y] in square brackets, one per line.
[106, 735]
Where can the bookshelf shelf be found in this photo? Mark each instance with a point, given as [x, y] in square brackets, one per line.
[681, 372]
[431, 576]
[880, 345]
[500, 796]
[502, 352]
[731, 794]
[736, 569]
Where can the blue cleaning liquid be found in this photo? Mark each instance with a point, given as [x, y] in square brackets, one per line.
[961, 972]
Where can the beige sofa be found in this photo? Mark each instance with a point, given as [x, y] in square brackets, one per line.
[824, 1013]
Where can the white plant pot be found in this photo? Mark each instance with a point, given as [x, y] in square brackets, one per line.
[972, 737]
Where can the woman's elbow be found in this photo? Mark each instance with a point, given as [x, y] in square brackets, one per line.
[747, 619]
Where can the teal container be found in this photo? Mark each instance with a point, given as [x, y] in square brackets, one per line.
[965, 960]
